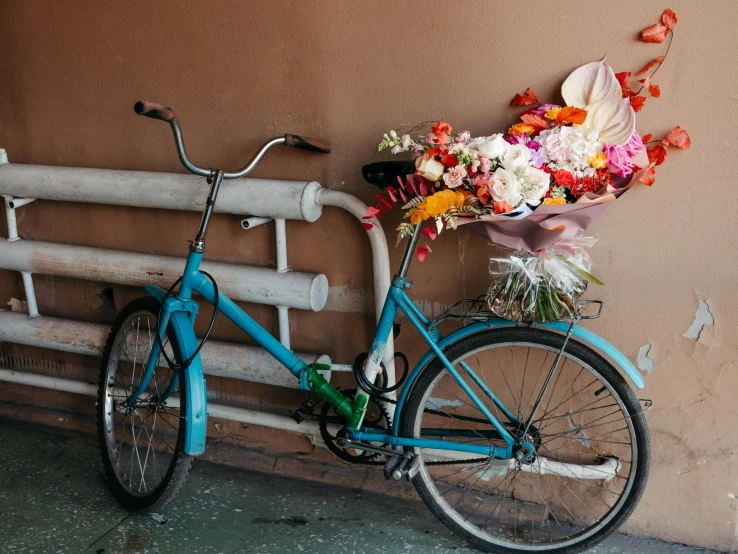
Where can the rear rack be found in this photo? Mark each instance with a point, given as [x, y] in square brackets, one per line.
[477, 309]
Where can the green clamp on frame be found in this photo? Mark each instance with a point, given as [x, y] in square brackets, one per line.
[352, 410]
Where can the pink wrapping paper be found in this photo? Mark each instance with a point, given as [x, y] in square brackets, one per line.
[549, 224]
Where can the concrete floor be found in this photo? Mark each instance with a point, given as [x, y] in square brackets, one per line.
[53, 499]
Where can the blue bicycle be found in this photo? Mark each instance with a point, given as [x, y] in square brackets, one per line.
[519, 438]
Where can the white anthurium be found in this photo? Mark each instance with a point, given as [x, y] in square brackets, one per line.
[589, 83]
[613, 119]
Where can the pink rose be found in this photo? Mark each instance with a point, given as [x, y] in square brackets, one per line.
[618, 160]
[635, 145]
[454, 176]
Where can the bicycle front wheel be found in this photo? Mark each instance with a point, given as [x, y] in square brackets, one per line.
[141, 444]
[592, 451]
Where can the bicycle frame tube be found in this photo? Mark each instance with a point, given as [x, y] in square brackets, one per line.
[193, 281]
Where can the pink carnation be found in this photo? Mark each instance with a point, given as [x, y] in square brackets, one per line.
[463, 138]
[455, 176]
[618, 160]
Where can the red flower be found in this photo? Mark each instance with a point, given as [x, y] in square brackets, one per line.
[563, 178]
[450, 160]
[442, 131]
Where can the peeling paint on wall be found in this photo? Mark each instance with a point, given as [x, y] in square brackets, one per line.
[644, 362]
[16, 305]
[579, 435]
[702, 318]
[438, 403]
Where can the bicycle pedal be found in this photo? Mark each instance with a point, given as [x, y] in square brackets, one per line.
[401, 465]
[391, 466]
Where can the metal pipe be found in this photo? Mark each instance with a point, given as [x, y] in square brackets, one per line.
[242, 415]
[294, 289]
[12, 222]
[30, 294]
[251, 222]
[223, 359]
[280, 230]
[20, 202]
[169, 191]
[380, 265]
[283, 316]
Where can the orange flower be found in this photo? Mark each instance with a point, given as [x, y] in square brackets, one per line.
[442, 131]
[570, 114]
[502, 207]
[520, 128]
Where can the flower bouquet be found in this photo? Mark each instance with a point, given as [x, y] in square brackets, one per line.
[536, 188]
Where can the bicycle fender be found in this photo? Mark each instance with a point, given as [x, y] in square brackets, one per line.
[196, 413]
[585, 335]
[603, 346]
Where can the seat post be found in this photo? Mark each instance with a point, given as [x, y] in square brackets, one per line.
[409, 249]
[198, 245]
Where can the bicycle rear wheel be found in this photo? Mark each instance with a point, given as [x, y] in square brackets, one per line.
[142, 445]
[592, 445]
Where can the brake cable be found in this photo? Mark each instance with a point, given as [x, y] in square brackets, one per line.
[173, 365]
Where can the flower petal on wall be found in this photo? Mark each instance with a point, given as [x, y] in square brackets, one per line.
[612, 118]
[589, 83]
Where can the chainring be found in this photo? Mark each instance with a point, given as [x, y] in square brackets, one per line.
[376, 417]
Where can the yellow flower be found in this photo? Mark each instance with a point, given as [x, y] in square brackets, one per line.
[520, 128]
[598, 161]
[554, 201]
[416, 216]
[552, 114]
[436, 204]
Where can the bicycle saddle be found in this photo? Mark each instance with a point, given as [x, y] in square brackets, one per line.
[385, 174]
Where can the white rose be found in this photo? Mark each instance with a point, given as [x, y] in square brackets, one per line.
[505, 187]
[490, 147]
[518, 155]
[429, 168]
[536, 185]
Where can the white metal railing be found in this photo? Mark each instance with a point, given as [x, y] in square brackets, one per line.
[259, 199]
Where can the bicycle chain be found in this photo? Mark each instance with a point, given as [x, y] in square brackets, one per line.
[369, 461]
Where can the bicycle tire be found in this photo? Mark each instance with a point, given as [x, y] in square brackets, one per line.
[611, 379]
[179, 462]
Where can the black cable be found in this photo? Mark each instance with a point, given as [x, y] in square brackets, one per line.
[371, 388]
[175, 366]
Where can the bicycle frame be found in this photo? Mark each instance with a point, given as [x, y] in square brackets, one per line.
[181, 310]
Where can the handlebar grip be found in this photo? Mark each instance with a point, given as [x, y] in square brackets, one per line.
[307, 143]
[154, 111]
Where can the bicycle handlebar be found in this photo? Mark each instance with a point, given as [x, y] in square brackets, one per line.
[307, 143]
[154, 111]
[157, 111]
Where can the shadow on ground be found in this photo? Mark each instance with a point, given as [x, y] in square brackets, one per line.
[53, 499]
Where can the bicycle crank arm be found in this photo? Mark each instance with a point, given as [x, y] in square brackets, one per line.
[346, 443]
